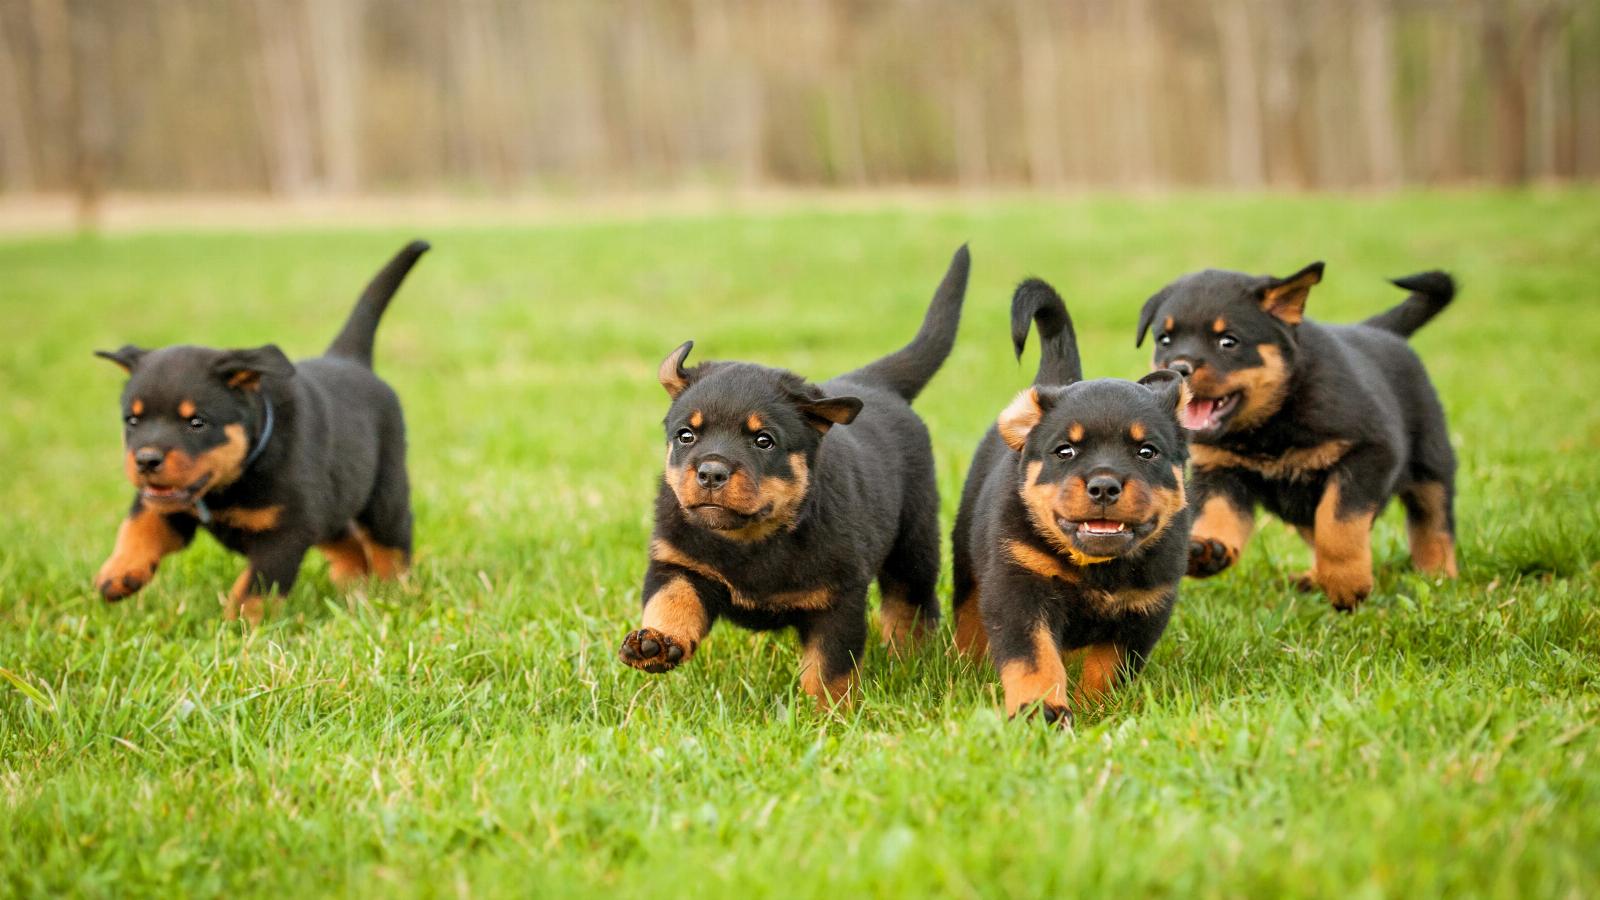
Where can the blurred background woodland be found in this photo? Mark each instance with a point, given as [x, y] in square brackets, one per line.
[294, 98]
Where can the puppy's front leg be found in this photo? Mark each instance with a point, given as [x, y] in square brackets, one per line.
[1341, 543]
[1223, 524]
[274, 566]
[142, 540]
[832, 642]
[677, 617]
[1024, 649]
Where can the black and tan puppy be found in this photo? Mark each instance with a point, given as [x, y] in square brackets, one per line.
[1073, 531]
[1320, 424]
[782, 500]
[271, 457]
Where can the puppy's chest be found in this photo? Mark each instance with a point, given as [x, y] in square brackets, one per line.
[1099, 591]
[784, 580]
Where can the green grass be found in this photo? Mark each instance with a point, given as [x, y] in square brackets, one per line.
[471, 731]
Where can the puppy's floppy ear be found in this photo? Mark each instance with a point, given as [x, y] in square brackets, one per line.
[1285, 298]
[1019, 419]
[672, 375]
[127, 357]
[1171, 388]
[245, 368]
[1147, 315]
[824, 414]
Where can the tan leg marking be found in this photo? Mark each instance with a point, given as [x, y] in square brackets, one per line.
[971, 639]
[142, 540]
[1042, 679]
[676, 611]
[1101, 666]
[1228, 525]
[836, 692]
[347, 558]
[243, 602]
[387, 563]
[900, 623]
[1343, 551]
[1433, 547]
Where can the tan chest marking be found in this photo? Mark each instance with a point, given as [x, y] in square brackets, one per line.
[1293, 465]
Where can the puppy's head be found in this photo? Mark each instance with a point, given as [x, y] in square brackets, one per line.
[1233, 337]
[741, 440]
[189, 416]
[1102, 462]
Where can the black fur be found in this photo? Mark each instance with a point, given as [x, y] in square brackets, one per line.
[776, 548]
[284, 456]
[1356, 410]
[1072, 605]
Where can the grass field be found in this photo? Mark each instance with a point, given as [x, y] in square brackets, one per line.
[470, 731]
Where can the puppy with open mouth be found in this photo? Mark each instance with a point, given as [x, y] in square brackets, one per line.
[270, 457]
[1073, 528]
[782, 500]
[1320, 424]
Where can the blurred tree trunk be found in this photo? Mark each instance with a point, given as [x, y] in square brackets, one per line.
[336, 50]
[1439, 131]
[1241, 105]
[1516, 35]
[1375, 75]
[287, 121]
[1041, 116]
[1284, 87]
[52, 38]
[92, 125]
[16, 157]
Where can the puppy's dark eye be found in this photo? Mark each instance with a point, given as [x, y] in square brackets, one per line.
[1149, 451]
[1227, 342]
[1165, 340]
[130, 421]
[685, 436]
[1066, 451]
[765, 441]
[196, 423]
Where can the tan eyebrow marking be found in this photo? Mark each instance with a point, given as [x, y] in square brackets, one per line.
[1136, 431]
[138, 407]
[1168, 324]
[696, 419]
[1219, 326]
[754, 423]
[186, 409]
[1075, 432]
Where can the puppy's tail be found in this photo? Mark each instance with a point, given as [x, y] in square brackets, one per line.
[355, 340]
[1431, 292]
[908, 370]
[1037, 304]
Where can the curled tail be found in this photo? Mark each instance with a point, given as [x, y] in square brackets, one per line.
[907, 370]
[1037, 303]
[355, 339]
[1431, 292]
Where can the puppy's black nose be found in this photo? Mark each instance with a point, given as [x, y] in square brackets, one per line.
[712, 474]
[1182, 367]
[1105, 488]
[148, 459]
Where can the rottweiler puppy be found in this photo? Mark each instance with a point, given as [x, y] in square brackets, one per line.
[1320, 424]
[782, 500]
[1073, 530]
[271, 457]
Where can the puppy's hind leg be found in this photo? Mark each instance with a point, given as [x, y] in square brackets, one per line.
[385, 531]
[1429, 499]
[910, 608]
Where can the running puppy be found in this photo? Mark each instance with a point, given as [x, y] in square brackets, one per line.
[782, 500]
[1073, 531]
[270, 457]
[1320, 424]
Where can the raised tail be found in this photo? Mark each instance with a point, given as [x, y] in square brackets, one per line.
[907, 370]
[1036, 303]
[355, 339]
[1431, 292]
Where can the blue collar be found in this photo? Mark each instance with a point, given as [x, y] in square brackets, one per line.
[203, 512]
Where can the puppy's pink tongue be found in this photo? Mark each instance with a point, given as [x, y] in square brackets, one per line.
[1197, 415]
